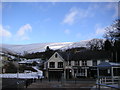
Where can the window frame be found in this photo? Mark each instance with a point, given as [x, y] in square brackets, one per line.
[94, 62]
[77, 63]
[52, 64]
[69, 63]
[84, 63]
[60, 64]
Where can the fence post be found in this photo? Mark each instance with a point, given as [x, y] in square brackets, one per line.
[105, 80]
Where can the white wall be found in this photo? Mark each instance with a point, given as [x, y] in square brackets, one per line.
[56, 60]
[80, 63]
[72, 63]
[98, 62]
[89, 63]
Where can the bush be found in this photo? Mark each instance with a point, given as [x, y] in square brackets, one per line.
[10, 68]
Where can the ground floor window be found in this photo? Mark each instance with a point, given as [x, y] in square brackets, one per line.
[79, 72]
[116, 71]
[104, 72]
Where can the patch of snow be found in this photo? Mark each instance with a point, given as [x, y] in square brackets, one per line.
[22, 75]
[39, 71]
[30, 61]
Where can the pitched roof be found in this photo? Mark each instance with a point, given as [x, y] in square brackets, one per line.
[87, 55]
[108, 64]
[65, 55]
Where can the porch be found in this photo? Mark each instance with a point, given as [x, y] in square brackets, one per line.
[108, 74]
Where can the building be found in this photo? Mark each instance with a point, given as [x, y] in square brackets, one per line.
[64, 64]
[108, 74]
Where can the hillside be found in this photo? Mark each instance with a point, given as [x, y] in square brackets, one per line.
[40, 47]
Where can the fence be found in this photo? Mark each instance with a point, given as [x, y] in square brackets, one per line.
[113, 82]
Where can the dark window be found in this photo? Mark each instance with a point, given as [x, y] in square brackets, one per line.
[79, 70]
[56, 55]
[75, 71]
[102, 60]
[77, 63]
[116, 71]
[84, 63]
[60, 64]
[69, 63]
[52, 64]
[83, 70]
[94, 62]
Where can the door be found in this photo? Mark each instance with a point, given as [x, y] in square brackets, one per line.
[68, 73]
[55, 75]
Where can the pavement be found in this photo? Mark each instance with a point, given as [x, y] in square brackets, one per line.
[79, 84]
[87, 84]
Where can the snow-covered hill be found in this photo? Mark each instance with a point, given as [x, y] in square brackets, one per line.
[40, 47]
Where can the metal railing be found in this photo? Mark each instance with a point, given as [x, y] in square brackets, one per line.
[108, 80]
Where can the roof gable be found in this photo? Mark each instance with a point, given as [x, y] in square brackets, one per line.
[58, 56]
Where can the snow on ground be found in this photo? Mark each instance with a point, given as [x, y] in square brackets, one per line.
[22, 75]
[39, 71]
[30, 61]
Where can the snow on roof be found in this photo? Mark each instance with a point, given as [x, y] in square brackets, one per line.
[22, 62]
[108, 64]
[30, 61]
[115, 64]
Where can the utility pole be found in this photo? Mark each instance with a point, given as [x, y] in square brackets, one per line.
[18, 71]
[18, 66]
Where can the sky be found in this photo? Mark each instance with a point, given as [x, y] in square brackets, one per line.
[43, 22]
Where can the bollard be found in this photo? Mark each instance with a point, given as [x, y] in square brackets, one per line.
[41, 79]
[26, 83]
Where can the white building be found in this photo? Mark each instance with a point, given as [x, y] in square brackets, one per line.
[61, 64]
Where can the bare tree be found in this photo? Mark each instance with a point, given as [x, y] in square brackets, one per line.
[113, 31]
[95, 44]
[113, 34]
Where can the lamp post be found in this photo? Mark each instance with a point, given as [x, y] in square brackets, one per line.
[98, 78]
[75, 78]
[70, 74]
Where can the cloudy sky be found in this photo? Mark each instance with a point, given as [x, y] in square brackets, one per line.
[41, 22]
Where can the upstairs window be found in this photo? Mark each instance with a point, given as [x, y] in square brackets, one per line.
[94, 62]
[102, 60]
[52, 64]
[84, 63]
[60, 64]
[56, 55]
[76, 63]
[69, 63]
